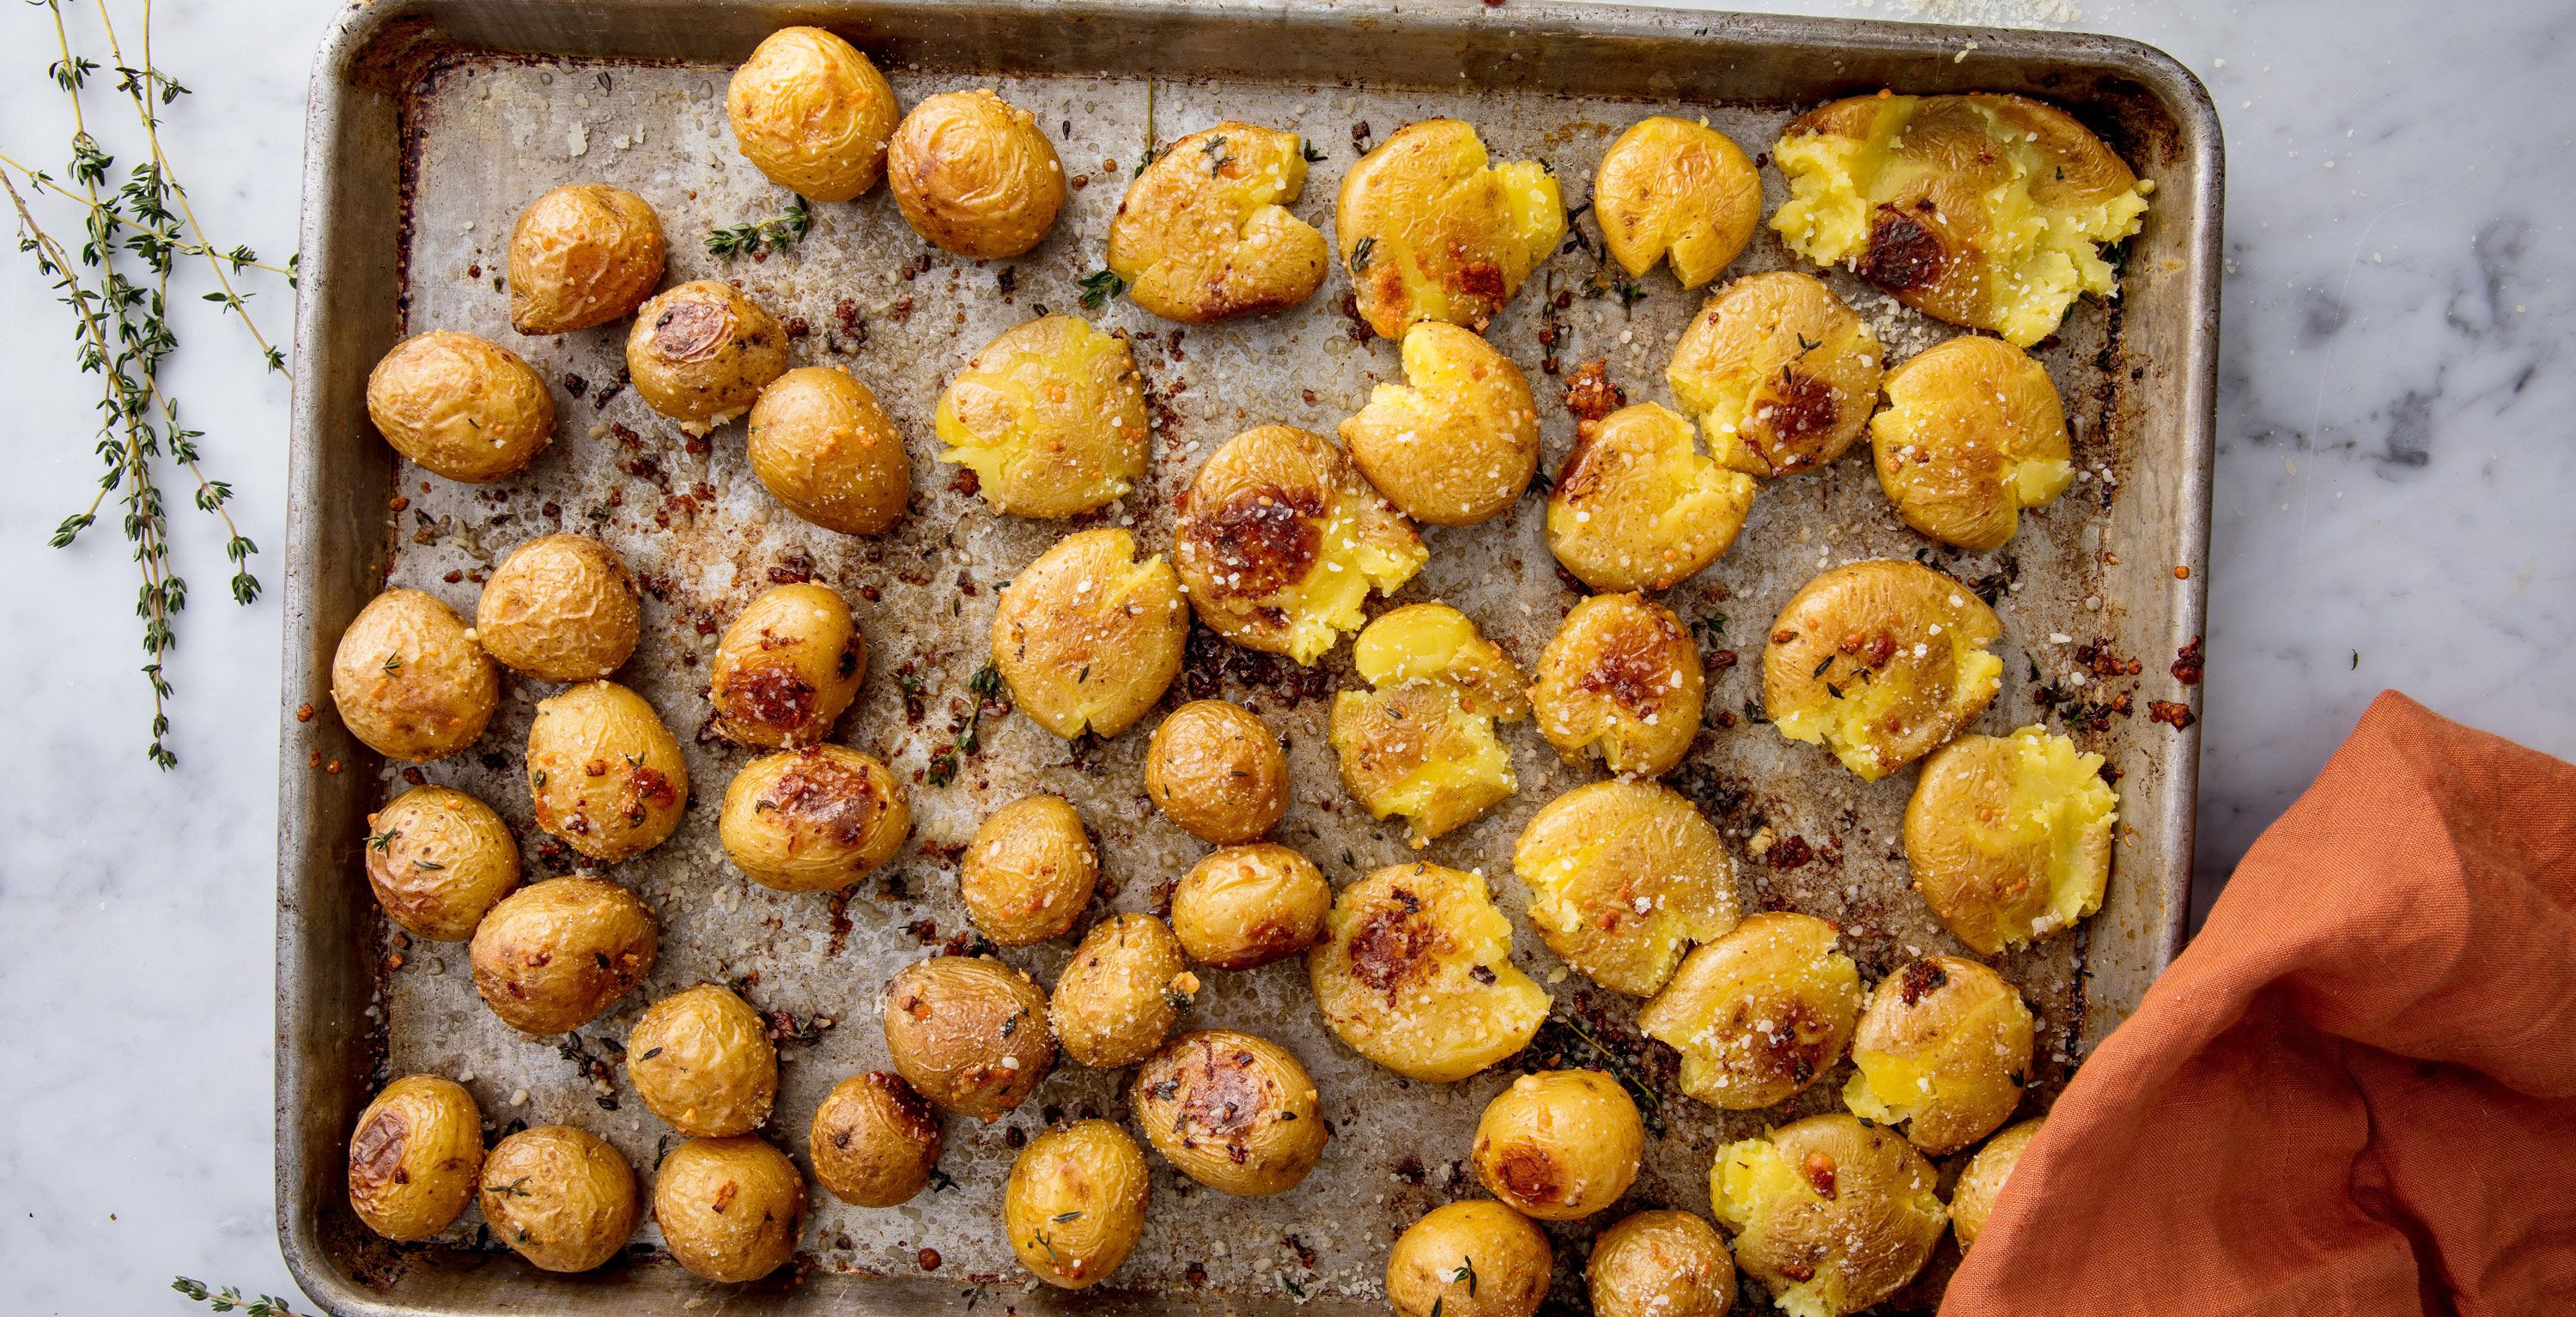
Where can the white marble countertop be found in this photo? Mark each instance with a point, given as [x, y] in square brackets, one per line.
[2392, 511]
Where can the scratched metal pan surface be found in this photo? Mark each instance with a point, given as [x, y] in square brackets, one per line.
[434, 121]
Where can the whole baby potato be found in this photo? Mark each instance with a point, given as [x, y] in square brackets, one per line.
[812, 113]
[550, 957]
[874, 1142]
[582, 255]
[560, 1197]
[437, 859]
[1457, 442]
[606, 775]
[969, 1032]
[1076, 1202]
[702, 352]
[1944, 1050]
[1217, 770]
[409, 680]
[1244, 906]
[1559, 1144]
[1232, 1111]
[1475, 1258]
[1049, 417]
[823, 447]
[1029, 872]
[1087, 637]
[815, 819]
[1205, 234]
[729, 1208]
[788, 667]
[701, 1059]
[1676, 188]
[1972, 1200]
[560, 608]
[461, 407]
[1830, 1214]
[1661, 1264]
[413, 1158]
[974, 175]
[1121, 992]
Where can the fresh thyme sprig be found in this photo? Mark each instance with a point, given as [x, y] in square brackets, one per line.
[772, 234]
[228, 1299]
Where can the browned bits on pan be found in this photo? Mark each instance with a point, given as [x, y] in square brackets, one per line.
[2188, 662]
[2172, 714]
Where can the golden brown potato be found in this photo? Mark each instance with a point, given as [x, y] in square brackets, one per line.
[1621, 679]
[1638, 506]
[975, 175]
[581, 256]
[1972, 1200]
[1030, 871]
[1944, 1050]
[729, 1208]
[551, 956]
[414, 1156]
[874, 1142]
[1475, 1258]
[437, 859]
[1088, 637]
[701, 353]
[701, 1059]
[1661, 1264]
[1217, 770]
[1076, 1202]
[1778, 372]
[1879, 662]
[1984, 210]
[1676, 188]
[605, 774]
[1244, 906]
[969, 1032]
[815, 819]
[1623, 877]
[1050, 417]
[2009, 837]
[1204, 232]
[461, 407]
[1233, 1111]
[1120, 994]
[1559, 1144]
[1456, 442]
[1973, 433]
[1830, 1215]
[826, 451]
[787, 667]
[1421, 742]
[560, 1197]
[1431, 229]
[1759, 1014]
[560, 608]
[409, 680]
[1416, 974]
[1279, 542]
[812, 113]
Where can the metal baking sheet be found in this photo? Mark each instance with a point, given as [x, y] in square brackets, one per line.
[434, 121]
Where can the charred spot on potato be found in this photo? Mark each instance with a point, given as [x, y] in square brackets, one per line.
[1800, 406]
[1918, 978]
[691, 331]
[1902, 253]
[1530, 1174]
[829, 796]
[375, 1155]
[1394, 946]
[772, 695]
[1264, 537]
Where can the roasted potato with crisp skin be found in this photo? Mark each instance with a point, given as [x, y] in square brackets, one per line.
[729, 1208]
[560, 608]
[969, 1032]
[975, 175]
[461, 407]
[1832, 1216]
[1431, 229]
[1879, 662]
[1780, 374]
[826, 450]
[1234, 1112]
[816, 819]
[702, 352]
[581, 256]
[1204, 232]
[1984, 210]
[1456, 442]
[874, 1142]
[1661, 1264]
[1973, 433]
[1030, 871]
[605, 774]
[701, 1059]
[1944, 1050]
[2009, 837]
[559, 1196]
[1217, 770]
[1280, 541]
[1972, 1199]
[1050, 417]
[1122, 991]
[788, 667]
[551, 956]
[1759, 1014]
[1620, 679]
[1244, 906]
[437, 859]
[409, 680]
[414, 1156]
[1676, 188]
[1416, 974]
[1623, 877]
[1638, 506]
[1559, 1144]
[1421, 742]
[812, 113]
[1087, 637]
[1075, 1203]
[1475, 1258]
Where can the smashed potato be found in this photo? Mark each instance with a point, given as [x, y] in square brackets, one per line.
[701, 1059]
[1972, 1199]
[729, 1208]
[1416, 974]
[969, 1032]
[1759, 1014]
[1244, 906]
[1075, 1203]
[1475, 1258]
[1879, 662]
[975, 175]
[437, 859]
[825, 449]
[1831, 1215]
[1780, 374]
[787, 667]
[1087, 637]
[553, 955]
[409, 680]
[1421, 742]
[1638, 506]
[812, 113]
[874, 1142]
[1204, 232]
[1029, 872]
[1621, 679]
[1984, 210]
[1623, 877]
[2009, 837]
[816, 819]
[1234, 1112]
[560, 608]
[560, 1197]
[414, 1156]
[1217, 770]
[1559, 1144]
[581, 256]
[604, 773]
[1661, 1264]
[1944, 1050]
[1050, 417]
[1118, 997]
[1973, 433]
[1280, 541]
[1456, 442]
[1431, 229]
[1678, 189]
[461, 407]
[702, 352]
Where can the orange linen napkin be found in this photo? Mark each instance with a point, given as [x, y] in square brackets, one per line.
[2355, 1092]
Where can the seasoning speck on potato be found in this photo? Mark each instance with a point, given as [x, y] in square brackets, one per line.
[1973, 433]
[1944, 1050]
[975, 175]
[1475, 1258]
[560, 608]
[2009, 837]
[1559, 1144]
[1879, 662]
[1421, 742]
[1245, 906]
[1279, 542]
[1029, 872]
[1204, 232]
[825, 450]
[1621, 679]
[1661, 1264]
[1638, 506]
[414, 1156]
[1088, 637]
[874, 1142]
[729, 1208]
[1972, 1200]
[1050, 417]
[1075, 1203]
[1231, 1110]
[553, 955]
[437, 859]
[1759, 1014]
[559, 1197]
[1623, 877]
[581, 256]
[605, 775]
[1122, 991]
[1830, 1215]
[1780, 374]
[409, 680]
[701, 353]
[1416, 974]
[812, 114]
[1676, 188]
[969, 1032]
[461, 407]
[1431, 228]
[787, 667]
[701, 1059]
[1217, 770]
[814, 819]
[1457, 442]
